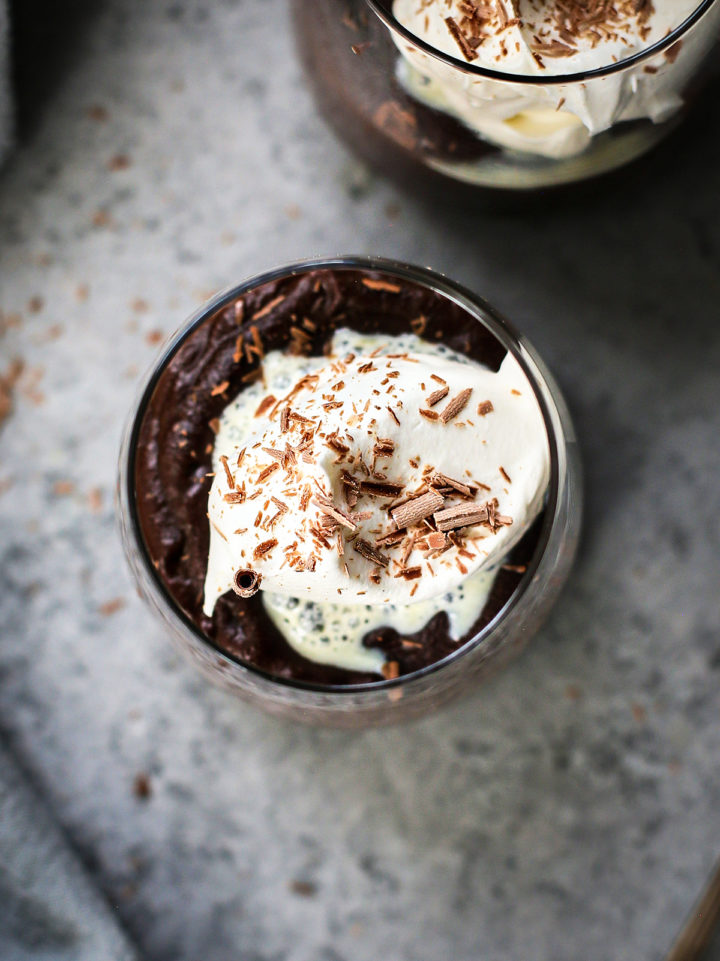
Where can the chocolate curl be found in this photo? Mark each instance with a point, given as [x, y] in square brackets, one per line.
[246, 582]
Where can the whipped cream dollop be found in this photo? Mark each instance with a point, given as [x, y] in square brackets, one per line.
[374, 481]
[546, 38]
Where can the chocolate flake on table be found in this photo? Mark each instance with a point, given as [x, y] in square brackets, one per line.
[437, 395]
[367, 551]
[417, 509]
[246, 582]
[453, 408]
[381, 285]
[486, 407]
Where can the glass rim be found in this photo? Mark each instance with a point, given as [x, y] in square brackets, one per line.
[480, 310]
[383, 10]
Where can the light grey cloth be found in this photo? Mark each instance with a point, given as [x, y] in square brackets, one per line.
[6, 112]
[49, 910]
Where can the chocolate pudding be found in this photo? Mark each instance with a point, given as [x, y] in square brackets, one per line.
[507, 95]
[225, 356]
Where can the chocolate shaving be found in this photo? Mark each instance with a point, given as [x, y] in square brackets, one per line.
[418, 325]
[437, 396]
[390, 539]
[429, 414]
[436, 540]
[271, 305]
[486, 407]
[285, 419]
[220, 389]
[394, 416]
[417, 509]
[369, 553]
[380, 488]
[351, 487]
[442, 480]
[264, 474]
[505, 474]
[453, 408]
[334, 442]
[384, 447]
[459, 38]
[264, 548]
[234, 497]
[390, 670]
[463, 515]
[277, 455]
[410, 573]
[246, 582]
[228, 472]
[265, 404]
[335, 513]
[381, 285]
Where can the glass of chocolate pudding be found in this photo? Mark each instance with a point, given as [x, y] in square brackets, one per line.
[509, 95]
[350, 490]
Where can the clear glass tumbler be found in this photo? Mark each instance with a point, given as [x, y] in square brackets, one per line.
[424, 116]
[411, 695]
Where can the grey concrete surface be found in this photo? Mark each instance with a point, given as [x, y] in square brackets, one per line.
[567, 811]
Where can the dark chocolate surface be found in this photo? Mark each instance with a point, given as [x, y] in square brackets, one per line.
[175, 441]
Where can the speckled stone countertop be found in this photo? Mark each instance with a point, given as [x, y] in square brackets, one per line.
[569, 809]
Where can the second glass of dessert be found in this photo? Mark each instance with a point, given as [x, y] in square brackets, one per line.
[505, 94]
[350, 490]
